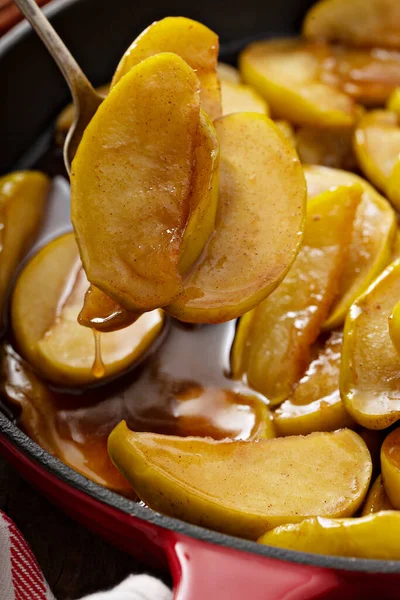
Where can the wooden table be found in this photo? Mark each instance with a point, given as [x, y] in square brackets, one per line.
[75, 562]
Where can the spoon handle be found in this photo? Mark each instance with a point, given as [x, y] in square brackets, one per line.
[77, 81]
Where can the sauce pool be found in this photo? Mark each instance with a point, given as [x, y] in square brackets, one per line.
[181, 387]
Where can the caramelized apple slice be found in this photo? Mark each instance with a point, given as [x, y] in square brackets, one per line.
[370, 369]
[390, 465]
[287, 130]
[204, 195]
[258, 227]
[194, 42]
[287, 73]
[244, 488]
[315, 404]
[22, 199]
[393, 184]
[45, 305]
[372, 238]
[104, 314]
[327, 147]
[394, 327]
[274, 351]
[396, 245]
[377, 146]
[355, 22]
[368, 76]
[317, 85]
[237, 97]
[377, 499]
[372, 536]
[131, 182]
[226, 72]
[393, 103]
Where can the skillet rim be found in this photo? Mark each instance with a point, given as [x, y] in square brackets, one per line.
[71, 477]
[74, 479]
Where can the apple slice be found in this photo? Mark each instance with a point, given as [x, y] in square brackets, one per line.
[368, 76]
[244, 488]
[315, 404]
[374, 536]
[393, 185]
[104, 314]
[372, 238]
[377, 499]
[237, 97]
[394, 327]
[377, 146]
[396, 245]
[204, 195]
[393, 103]
[370, 369]
[131, 182]
[390, 465]
[226, 72]
[259, 223]
[316, 84]
[355, 22]
[194, 42]
[287, 74]
[287, 130]
[23, 196]
[273, 350]
[45, 305]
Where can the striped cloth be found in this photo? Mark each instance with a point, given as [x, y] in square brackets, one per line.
[20, 574]
[22, 579]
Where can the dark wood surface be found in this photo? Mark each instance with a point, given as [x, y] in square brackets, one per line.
[74, 561]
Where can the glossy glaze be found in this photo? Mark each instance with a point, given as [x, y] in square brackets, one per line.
[231, 574]
[182, 387]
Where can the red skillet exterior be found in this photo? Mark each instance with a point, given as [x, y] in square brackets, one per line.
[202, 570]
[9, 14]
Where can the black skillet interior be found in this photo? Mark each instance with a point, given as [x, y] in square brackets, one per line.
[98, 32]
[32, 93]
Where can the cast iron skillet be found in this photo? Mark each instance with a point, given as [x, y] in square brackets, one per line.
[204, 564]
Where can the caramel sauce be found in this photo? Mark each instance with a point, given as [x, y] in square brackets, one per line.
[181, 387]
[98, 368]
[102, 313]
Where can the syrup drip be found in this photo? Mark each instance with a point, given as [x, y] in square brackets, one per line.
[98, 368]
[102, 313]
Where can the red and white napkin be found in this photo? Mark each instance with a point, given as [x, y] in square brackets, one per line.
[22, 579]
